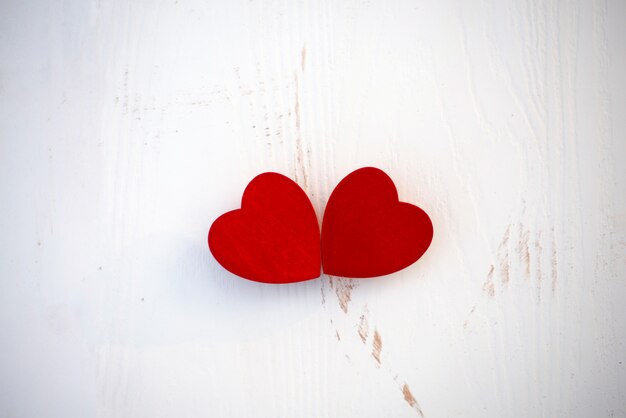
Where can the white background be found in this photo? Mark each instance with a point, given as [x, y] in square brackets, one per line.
[127, 127]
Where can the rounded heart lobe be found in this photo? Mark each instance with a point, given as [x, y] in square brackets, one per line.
[367, 232]
[273, 238]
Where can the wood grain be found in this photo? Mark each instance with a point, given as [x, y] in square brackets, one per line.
[127, 127]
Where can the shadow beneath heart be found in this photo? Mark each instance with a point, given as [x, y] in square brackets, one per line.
[173, 291]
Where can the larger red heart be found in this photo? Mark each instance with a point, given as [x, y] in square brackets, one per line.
[273, 238]
[367, 232]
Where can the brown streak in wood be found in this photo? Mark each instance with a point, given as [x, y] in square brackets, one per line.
[523, 250]
[343, 290]
[538, 251]
[410, 399]
[377, 346]
[503, 256]
[302, 58]
[363, 328]
[299, 145]
[504, 267]
[489, 286]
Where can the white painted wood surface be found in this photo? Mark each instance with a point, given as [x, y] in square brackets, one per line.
[126, 127]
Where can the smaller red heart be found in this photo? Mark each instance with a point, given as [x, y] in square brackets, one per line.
[273, 238]
[367, 231]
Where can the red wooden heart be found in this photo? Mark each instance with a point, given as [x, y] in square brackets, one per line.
[367, 232]
[273, 238]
